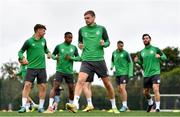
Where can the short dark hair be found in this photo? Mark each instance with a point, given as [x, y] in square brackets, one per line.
[67, 33]
[39, 26]
[91, 12]
[146, 35]
[120, 42]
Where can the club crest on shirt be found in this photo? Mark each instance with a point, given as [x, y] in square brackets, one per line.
[33, 44]
[151, 51]
[62, 50]
[121, 55]
[97, 32]
[71, 50]
[143, 54]
[43, 43]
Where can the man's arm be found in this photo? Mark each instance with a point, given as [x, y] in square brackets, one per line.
[105, 38]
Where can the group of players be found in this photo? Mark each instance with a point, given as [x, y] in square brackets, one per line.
[92, 39]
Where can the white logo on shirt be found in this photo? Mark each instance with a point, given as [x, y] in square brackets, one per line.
[143, 54]
[158, 81]
[97, 32]
[151, 51]
[124, 81]
[71, 50]
[33, 44]
[122, 55]
[62, 50]
[43, 43]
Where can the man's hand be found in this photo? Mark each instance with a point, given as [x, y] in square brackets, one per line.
[102, 42]
[67, 57]
[49, 55]
[158, 56]
[24, 61]
[81, 46]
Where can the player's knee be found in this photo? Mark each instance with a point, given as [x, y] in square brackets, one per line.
[27, 85]
[156, 89]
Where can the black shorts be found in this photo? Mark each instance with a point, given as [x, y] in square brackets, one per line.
[68, 77]
[149, 81]
[90, 78]
[98, 67]
[123, 79]
[40, 74]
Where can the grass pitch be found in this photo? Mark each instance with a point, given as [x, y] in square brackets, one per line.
[95, 113]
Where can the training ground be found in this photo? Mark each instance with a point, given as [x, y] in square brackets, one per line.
[95, 113]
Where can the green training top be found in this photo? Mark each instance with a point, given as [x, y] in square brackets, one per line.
[63, 65]
[22, 71]
[147, 59]
[90, 36]
[122, 62]
[36, 50]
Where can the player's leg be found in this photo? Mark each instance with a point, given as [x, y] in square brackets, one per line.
[146, 92]
[102, 72]
[41, 81]
[71, 86]
[156, 81]
[30, 76]
[121, 82]
[123, 95]
[79, 86]
[88, 94]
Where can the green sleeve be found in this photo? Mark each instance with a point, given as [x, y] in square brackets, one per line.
[23, 49]
[105, 38]
[45, 48]
[80, 38]
[130, 74]
[163, 56]
[76, 56]
[112, 60]
[55, 52]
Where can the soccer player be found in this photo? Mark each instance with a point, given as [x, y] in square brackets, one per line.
[124, 70]
[93, 39]
[30, 105]
[150, 58]
[65, 53]
[36, 48]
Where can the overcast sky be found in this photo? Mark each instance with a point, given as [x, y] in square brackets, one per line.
[124, 20]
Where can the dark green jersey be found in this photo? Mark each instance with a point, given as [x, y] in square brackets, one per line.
[149, 62]
[122, 62]
[22, 71]
[63, 65]
[36, 50]
[90, 36]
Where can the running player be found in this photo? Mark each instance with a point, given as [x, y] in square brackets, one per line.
[36, 48]
[124, 70]
[150, 58]
[65, 53]
[93, 39]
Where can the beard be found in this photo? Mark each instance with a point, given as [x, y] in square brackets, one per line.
[147, 43]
